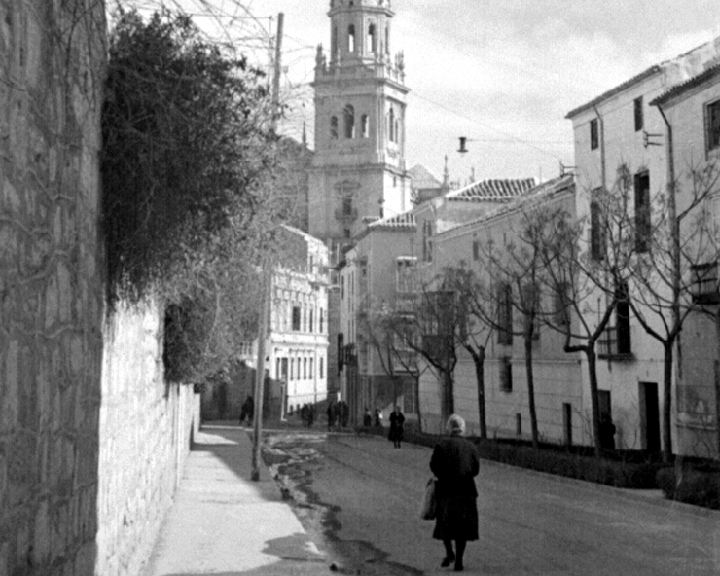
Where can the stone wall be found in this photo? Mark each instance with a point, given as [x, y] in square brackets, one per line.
[146, 428]
[51, 291]
[91, 439]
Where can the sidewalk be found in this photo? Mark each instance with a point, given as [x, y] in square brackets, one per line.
[222, 523]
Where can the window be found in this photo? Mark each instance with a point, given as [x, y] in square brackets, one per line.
[642, 212]
[305, 366]
[506, 382]
[292, 368]
[321, 328]
[349, 119]
[598, 232]
[365, 126]
[593, 134]
[334, 128]
[310, 321]
[372, 39]
[616, 339]
[322, 367]
[296, 318]
[347, 206]
[622, 318]
[391, 125]
[426, 242]
[405, 276]
[310, 368]
[530, 307]
[562, 305]
[505, 314]
[387, 40]
[638, 113]
[476, 249]
[704, 284]
[351, 38]
[712, 123]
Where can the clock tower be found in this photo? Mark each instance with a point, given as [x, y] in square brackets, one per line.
[358, 169]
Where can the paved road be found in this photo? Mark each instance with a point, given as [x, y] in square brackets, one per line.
[530, 523]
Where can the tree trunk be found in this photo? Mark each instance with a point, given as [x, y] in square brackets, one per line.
[527, 341]
[416, 391]
[667, 409]
[594, 398]
[717, 384]
[479, 359]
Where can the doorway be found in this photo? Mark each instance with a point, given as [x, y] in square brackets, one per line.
[649, 416]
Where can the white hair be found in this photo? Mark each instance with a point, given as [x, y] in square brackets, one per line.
[456, 424]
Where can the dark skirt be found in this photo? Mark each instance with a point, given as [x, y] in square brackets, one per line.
[457, 517]
[396, 433]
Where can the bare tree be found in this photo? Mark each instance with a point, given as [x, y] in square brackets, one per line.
[474, 330]
[676, 245]
[586, 275]
[393, 335]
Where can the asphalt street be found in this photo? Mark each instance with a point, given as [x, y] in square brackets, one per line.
[366, 496]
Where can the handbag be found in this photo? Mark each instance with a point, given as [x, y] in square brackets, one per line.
[428, 508]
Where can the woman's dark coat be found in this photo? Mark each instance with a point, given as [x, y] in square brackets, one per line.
[455, 464]
[397, 426]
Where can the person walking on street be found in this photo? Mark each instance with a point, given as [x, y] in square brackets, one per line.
[455, 464]
[367, 418]
[247, 410]
[397, 427]
[332, 411]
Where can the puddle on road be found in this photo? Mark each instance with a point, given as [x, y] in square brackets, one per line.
[292, 459]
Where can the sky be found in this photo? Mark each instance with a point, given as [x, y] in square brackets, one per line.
[502, 73]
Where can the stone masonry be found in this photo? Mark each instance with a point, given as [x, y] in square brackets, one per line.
[91, 438]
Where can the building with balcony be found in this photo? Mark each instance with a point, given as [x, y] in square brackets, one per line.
[692, 132]
[621, 150]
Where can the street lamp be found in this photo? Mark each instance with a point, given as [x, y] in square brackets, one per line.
[463, 141]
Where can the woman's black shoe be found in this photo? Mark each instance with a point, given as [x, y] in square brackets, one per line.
[447, 560]
[458, 567]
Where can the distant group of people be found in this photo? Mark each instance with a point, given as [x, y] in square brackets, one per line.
[338, 414]
[372, 419]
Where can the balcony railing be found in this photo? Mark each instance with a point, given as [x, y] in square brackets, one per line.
[705, 289]
[346, 215]
[614, 344]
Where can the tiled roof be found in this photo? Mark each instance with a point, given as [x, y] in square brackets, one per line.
[693, 82]
[422, 178]
[544, 190]
[497, 190]
[403, 220]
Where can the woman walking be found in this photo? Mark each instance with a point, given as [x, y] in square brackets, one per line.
[397, 427]
[455, 465]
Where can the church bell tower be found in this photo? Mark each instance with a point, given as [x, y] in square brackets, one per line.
[358, 170]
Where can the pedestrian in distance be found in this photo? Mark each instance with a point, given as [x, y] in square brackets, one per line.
[247, 410]
[367, 418]
[332, 411]
[607, 432]
[397, 427]
[455, 464]
[344, 413]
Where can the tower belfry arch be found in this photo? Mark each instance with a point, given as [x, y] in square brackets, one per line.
[358, 170]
